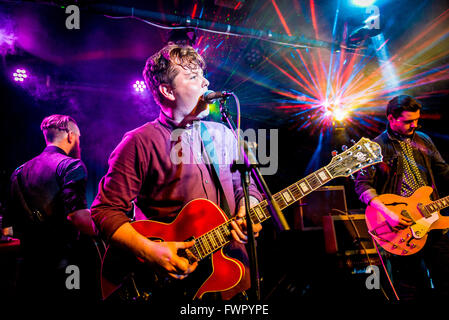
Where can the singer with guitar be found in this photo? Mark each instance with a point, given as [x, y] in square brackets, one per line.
[394, 193]
[161, 166]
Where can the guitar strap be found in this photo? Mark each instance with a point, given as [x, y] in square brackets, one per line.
[209, 146]
[234, 250]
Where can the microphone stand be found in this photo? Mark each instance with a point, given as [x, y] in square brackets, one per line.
[248, 163]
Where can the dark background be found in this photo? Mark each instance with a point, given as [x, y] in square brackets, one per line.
[88, 74]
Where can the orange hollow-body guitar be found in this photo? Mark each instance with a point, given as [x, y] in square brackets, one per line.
[205, 222]
[423, 212]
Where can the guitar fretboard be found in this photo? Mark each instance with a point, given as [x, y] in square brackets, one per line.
[437, 205]
[221, 235]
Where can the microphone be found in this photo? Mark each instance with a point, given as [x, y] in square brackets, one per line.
[210, 96]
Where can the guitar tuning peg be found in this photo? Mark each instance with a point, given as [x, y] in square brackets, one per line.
[362, 172]
[352, 177]
[334, 153]
[352, 141]
[344, 147]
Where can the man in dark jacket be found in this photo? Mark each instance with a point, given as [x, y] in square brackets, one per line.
[47, 210]
[410, 160]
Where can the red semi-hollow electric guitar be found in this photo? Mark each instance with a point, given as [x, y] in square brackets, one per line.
[205, 222]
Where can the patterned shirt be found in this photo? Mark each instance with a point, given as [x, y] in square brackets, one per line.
[411, 179]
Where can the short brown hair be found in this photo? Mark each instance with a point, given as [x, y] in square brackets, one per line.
[53, 126]
[160, 67]
[402, 103]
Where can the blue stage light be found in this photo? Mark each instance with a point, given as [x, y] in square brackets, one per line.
[363, 3]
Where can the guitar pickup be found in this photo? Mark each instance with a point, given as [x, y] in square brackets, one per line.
[423, 211]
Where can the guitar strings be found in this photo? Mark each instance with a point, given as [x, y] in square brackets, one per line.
[203, 238]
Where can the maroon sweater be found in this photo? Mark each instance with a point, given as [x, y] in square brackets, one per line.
[159, 166]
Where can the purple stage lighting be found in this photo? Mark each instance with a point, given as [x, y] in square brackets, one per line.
[20, 75]
[139, 86]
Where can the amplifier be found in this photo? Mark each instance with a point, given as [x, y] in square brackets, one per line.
[347, 235]
[321, 202]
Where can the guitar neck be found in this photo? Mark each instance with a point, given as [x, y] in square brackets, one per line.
[221, 235]
[291, 194]
[437, 205]
[362, 154]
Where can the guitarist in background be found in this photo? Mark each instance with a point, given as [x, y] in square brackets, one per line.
[46, 210]
[411, 160]
[145, 167]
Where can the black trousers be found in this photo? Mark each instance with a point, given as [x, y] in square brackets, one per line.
[424, 275]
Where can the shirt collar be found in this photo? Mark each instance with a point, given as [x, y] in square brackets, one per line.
[171, 124]
[397, 136]
[54, 149]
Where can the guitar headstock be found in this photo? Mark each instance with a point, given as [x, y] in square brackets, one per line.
[363, 154]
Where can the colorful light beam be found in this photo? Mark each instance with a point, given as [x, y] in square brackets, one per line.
[353, 86]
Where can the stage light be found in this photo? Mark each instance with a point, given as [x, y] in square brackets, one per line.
[20, 75]
[363, 3]
[340, 114]
[332, 110]
[139, 86]
[326, 104]
[253, 56]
